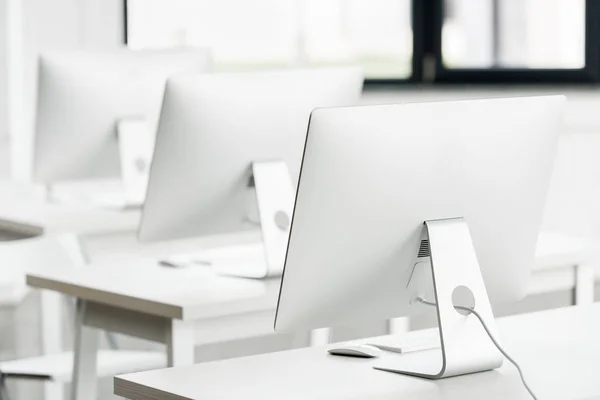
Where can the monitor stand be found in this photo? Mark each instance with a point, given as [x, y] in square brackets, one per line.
[275, 203]
[136, 144]
[465, 346]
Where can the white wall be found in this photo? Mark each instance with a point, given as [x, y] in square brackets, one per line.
[3, 75]
[40, 25]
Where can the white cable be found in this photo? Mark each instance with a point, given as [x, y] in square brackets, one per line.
[485, 327]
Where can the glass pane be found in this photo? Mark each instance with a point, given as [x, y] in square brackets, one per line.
[537, 34]
[247, 34]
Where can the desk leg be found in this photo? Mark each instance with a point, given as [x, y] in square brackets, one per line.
[584, 284]
[54, 391]
[52, 317]
[51, 306]
[85, 380]
[320, 337]
[3, 391]
[180, 342]
[398, 325]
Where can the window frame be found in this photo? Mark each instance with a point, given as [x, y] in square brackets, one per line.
[589, 74]
[125, 23]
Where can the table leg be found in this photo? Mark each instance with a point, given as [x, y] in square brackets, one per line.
[51, 314]
[398, 325]
[180, 343]
[54, 391]
[320, 337]
[3, 391]
[51, 307]
[584, 284]
[85, 381]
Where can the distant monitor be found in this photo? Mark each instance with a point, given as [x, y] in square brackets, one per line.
[434, 201]
[228, 153]
[99, 109]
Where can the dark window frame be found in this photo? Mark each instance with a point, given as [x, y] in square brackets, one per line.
[125, 23]
[427, 61]
[589, 74]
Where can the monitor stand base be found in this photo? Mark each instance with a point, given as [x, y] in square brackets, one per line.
[275, 200]
[465, 346]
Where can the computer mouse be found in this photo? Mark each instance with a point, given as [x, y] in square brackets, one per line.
[360, 351]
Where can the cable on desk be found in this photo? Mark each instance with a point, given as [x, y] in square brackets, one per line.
[485, 327]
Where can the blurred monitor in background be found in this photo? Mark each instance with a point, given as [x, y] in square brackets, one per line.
[227, 159]
[97, 114]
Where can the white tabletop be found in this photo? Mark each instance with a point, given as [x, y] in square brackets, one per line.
[23, 210]
[558, 350]
[554, 249]
[143, 285]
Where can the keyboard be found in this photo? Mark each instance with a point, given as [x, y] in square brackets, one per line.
[426, 340]
[109, 199]
[116, 201]
[242, 254]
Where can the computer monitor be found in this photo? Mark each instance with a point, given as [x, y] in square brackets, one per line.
[95, 109]
[400, 203]
[229, 144]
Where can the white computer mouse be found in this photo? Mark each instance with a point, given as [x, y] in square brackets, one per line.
[361, 351]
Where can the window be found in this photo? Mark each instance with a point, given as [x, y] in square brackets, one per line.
[276, 33]
[538, 34]
[394, 40]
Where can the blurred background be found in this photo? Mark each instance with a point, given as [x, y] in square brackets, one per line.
[411, 51]
[379, 34]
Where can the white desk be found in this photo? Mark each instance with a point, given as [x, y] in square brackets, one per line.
[186, 307]
[558, 351]
[24, 210]
[178, 307]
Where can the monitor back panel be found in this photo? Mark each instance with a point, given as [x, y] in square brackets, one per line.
[372, 175]
[213, 127]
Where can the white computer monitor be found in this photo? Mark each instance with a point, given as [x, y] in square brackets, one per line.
[97, 111]
[401, 202]
[230, 144]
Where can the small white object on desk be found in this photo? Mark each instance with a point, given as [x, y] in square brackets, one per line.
[357, 350]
